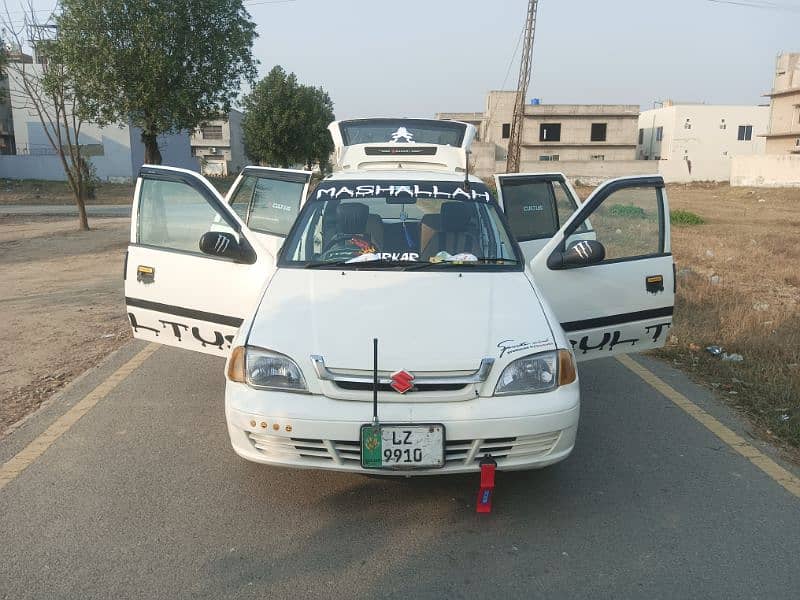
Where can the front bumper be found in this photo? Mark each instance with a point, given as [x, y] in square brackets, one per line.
[316, 432]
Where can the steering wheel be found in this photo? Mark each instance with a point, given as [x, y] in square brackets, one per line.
[347, 245]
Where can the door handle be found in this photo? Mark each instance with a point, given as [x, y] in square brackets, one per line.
[654, 284]
[145, 274]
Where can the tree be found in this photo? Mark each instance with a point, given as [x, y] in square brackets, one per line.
[44, 87]
[3, 63]
[285, 123]
[319, 114]
[161, 65]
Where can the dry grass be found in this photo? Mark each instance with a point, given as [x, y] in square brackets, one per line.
[739, 288]
[34, 191]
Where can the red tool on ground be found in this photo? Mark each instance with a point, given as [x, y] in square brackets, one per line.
[488, 466]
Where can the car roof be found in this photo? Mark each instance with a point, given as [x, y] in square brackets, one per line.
[400, 175]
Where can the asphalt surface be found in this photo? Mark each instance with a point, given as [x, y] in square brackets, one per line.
[107, 210]
[143, 498]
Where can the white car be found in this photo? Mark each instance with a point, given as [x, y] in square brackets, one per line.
[399, 319]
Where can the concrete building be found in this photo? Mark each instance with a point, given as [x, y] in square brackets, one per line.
[116, 152]
[783, 135]
[780, 166]
[552, 132]
[697, 141]
[219, 147]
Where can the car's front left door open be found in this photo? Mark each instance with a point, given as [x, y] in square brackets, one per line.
[175, 293]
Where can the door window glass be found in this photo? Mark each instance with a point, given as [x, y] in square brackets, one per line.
[629, 223]
[537, 209]
[275, 205]
[242, 196]
[530, 209]
[566, 205]
[174, 215]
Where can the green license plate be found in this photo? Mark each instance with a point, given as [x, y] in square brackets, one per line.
[402, 446]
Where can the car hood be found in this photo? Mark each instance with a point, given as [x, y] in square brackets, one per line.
[424, 321]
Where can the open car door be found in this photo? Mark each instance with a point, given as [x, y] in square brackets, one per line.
[536, 205]
[267, 200]
[193, 272]
[614, 290]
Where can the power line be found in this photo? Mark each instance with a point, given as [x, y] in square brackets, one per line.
[513, 56]
[764, 5]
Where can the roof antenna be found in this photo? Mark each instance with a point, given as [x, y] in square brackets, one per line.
[466, 170]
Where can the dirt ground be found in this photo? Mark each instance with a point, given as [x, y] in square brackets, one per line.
[61, 302]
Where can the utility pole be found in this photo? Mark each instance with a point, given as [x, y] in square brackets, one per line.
[515, 139]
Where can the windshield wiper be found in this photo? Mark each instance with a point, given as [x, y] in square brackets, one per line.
[418, 266]
[330, 264]
[504, 261]
[407, 265]
[359, 264]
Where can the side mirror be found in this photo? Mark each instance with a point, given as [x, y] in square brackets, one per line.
[579, 254]
[225, 245]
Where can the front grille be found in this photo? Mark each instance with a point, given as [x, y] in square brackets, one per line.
[457, 452]
[385, 387]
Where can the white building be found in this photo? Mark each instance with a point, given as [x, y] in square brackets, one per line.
[116, 152]
[219, 147]
[697, 141]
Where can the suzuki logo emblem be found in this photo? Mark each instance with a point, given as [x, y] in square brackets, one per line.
[401, 381]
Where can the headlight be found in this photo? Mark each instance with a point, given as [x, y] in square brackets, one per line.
[273, 371]
[532, 374]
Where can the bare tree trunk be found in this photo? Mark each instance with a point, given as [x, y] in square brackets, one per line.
[152, 155]
[83, 220]
[80, 200]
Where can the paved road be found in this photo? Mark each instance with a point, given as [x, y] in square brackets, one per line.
[142, 498]
[108, 210]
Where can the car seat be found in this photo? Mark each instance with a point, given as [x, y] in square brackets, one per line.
[453, 233]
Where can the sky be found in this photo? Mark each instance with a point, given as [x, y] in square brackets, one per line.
[414, 58]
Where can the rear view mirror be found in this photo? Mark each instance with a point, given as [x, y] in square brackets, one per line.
[579, 254]
[225, 245]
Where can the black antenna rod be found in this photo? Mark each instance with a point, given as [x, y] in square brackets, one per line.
[466, 170]
[374, 381]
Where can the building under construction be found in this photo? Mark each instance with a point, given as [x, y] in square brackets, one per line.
[551, 132]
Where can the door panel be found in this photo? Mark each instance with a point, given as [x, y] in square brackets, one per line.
[536, 205]
[623, 303]
[268, 201]
[174, 293]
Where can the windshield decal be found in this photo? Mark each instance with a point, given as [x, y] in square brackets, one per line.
[403, 134]
[394, 256]
[395, 191]
[514, 346]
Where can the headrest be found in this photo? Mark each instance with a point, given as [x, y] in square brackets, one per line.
[455, 216]
[431, 220]
[351, 218]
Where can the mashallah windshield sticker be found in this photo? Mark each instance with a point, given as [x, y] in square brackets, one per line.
[414, 191]
[397, 256]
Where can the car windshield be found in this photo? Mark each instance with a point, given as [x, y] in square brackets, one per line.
[403, 224]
